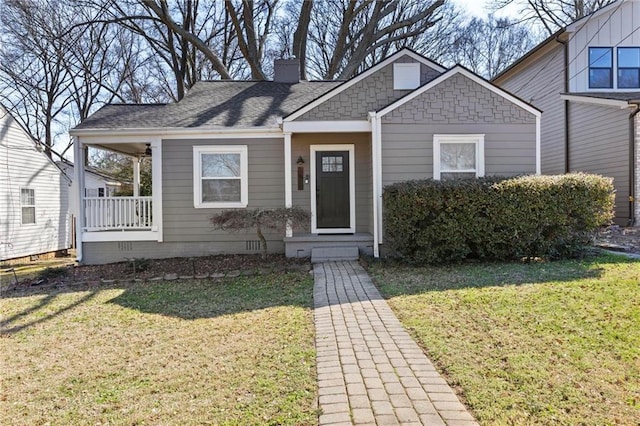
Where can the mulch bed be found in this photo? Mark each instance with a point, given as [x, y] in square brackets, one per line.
[620, 239]
[208, 267]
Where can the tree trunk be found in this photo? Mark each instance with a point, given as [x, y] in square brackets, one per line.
[300, 37]
[263, 241]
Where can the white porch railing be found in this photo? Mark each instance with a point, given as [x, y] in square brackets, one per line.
[117, 213]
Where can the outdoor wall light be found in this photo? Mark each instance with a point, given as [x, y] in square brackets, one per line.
[148, 151]
[300, 161]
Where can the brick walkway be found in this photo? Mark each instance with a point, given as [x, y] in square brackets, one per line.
[370, 371]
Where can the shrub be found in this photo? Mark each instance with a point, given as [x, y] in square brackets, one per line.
[259, 219]
[495, 218]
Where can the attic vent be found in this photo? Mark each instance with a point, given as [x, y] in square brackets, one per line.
[252, 245]
[406, 76]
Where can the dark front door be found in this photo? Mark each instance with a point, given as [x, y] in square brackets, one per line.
[332, 189]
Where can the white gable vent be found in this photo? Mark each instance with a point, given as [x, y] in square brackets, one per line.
[406, 76]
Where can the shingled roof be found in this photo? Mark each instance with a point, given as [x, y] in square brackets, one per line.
[213, 104]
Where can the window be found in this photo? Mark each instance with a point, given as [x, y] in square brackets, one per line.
[331, 164]
[28, 204]
[220, 176]
[94, 192]
[458, 156]
[406, 76]
[600, 68]
[628, 67]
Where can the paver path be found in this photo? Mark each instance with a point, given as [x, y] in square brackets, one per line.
[370, 371]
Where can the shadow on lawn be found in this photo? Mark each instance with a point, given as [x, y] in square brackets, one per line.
[196, 299]
[395, 279]
[185, 299]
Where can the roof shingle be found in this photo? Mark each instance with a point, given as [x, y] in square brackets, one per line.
[213, 104]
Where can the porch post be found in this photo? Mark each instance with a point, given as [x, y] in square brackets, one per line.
[288, 197]
[79, 160]
[156, 187]
[136, 176]
[375, 136]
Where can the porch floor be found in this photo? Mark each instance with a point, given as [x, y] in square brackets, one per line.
[300, 245]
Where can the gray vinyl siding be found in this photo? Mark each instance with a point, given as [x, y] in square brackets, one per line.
[362, 143]
[541, 82]
[600, 144]
[457, 106]
[25, 167]
[369, 94]
[186, 229]
[182, 221]
[407, 149]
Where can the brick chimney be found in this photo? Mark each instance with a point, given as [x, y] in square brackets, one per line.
[286, 70]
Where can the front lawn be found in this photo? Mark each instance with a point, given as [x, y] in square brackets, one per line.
[236, 351]
[540, 343]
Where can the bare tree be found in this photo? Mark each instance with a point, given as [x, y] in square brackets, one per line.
[34, 80]
[553, 14]
[489, 46]
[347, 35]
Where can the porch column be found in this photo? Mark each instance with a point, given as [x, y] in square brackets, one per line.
[375, 166]
[136, 176]
[156, 187]
[79, 160]
[288, 197]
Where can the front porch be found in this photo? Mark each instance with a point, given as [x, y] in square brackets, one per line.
[302, 245]
[133, 214]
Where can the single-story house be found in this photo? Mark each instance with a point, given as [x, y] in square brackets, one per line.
[329, 147]
[34, 211]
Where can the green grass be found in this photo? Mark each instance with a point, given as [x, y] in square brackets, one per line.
[540, 343]
[239, 351]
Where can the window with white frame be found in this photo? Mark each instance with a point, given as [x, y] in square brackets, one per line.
[220, 176]
[28, 205]
[458, 156]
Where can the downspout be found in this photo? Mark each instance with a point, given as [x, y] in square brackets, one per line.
[567, 162]
[632, 164]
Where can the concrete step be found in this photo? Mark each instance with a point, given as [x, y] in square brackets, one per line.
[330, 254]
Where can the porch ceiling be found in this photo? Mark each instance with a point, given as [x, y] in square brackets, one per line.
[132, 149]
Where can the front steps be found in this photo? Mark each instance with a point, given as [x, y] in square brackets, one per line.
[333, 254]
[329, 247]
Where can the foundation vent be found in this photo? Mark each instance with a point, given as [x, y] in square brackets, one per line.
[252, 245]
[125, 245]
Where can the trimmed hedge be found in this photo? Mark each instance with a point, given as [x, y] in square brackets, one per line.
[495, 218]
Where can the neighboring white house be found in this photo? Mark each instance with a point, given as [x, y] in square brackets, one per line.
[34, 211]
[96, 184]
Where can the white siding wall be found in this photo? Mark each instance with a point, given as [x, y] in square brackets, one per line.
[22, 166]
[618, 28]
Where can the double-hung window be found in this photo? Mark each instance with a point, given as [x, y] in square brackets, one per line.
[600, 68]
[220, 178]
[28, 205]
[628, 67]
[458, 156]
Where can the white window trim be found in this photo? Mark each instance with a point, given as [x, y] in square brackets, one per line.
[197, 172]
[477, 139]
[406, 75]
[35, 219]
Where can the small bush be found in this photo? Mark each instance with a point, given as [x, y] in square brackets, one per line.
[495, 218]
